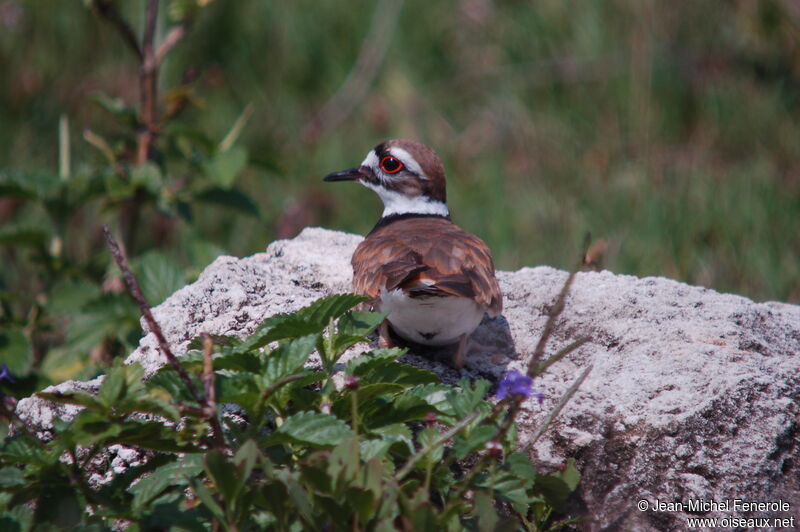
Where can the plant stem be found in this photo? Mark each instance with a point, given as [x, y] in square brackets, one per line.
[409, 466]
[136, 291]
[148, 78]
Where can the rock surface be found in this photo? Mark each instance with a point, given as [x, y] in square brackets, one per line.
[693, 395]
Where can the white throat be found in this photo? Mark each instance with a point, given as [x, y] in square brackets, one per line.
[397, 203]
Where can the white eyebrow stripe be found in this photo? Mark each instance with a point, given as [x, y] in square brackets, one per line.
[371, 161]
[408, 160]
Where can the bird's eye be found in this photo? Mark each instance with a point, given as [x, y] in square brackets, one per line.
[391, 165]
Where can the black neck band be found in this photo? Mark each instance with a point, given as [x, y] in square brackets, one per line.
[386, 220]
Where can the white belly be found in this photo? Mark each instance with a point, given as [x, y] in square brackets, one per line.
[431, 320]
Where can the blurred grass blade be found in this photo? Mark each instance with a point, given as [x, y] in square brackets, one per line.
[557, 410]
[63, 148]
[236, 130]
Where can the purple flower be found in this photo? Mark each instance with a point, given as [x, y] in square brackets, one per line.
[5, 374]
[516, 384]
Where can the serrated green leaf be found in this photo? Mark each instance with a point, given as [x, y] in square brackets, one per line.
[168, 380]
[69, 297]
[521, 466]
[90, 427]
[357, 323]
[109, 316]
[466, 400]
[374, 356]
[288, 359]
[224, 475]
[312, 428]
[173, 474]
[15, 351]
[434, 394]
[379, 370]
[426, 439]
[476, 439]
[328, 308]
[122, 382]
[484, 509]
[207, 499]
[224, 166]
[10, 477]
[21, 449]
[159, 275]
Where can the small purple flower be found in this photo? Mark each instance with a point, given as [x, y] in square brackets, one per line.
[516, 384]
[5, 374]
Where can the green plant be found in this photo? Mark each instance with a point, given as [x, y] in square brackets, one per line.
[62, 314]
[372, 444]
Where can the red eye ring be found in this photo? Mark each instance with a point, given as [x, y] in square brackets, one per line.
[391, 165]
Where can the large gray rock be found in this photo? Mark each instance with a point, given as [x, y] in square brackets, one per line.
[693, 395]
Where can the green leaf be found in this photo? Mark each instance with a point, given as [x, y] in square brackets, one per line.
[34, 237]
[121, 383]
[359, 323]
[117, 107]
[224, 166]
[205, 495]
[15, 351]
[379, 370]
[426, 438]
[90, 427]
[109, 316]
[474, 440]
[147, 176]
[224, 475]
[69, 297]
[484, 509]
[323, 310]
[174, 474]
[230, 198]
[25, 450]
[159, 275]
[557, 487]
[434, 394]
[466, 400]
[11, 477]
[312, 428]
[288, 359]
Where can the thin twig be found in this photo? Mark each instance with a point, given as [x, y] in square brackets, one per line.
[557, 410]
[136, 291]
[556, 311]
[148, 74]
[370, 58]
[409, 465]
[559, 355]
[108, 10]
[210, 405]
[173, 37]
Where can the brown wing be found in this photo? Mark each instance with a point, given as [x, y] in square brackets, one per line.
[426, 257]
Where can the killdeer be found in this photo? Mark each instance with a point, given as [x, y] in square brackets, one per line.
[435, 280]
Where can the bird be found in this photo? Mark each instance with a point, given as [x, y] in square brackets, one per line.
[435, 280]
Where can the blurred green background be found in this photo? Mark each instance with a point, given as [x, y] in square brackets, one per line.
[671, 130]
